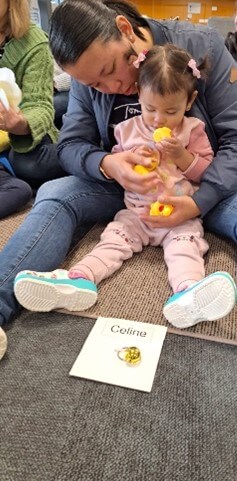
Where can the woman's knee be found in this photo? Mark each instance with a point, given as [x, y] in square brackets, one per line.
[222, 219]
[58, 189]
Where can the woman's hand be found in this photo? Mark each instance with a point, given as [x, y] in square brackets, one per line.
[119, 166]
[184, 209]
[13, 122]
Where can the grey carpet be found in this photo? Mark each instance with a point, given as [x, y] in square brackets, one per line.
[58, 428]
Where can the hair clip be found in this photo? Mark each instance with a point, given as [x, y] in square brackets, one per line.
[141, 57]
[192, 64]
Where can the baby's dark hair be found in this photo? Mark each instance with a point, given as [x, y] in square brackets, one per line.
[165, 70]
[231, 43]
[75, 24]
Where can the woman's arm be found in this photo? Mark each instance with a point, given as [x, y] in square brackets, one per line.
[36, 107]
[220, 179]
[80, 147]
[216, 105]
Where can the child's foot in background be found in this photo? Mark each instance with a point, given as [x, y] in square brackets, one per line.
[46, 291]
[207, 300]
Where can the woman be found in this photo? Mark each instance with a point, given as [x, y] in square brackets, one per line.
[97, 42]
[24, 49]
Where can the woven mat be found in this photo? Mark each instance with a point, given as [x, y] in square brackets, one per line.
[140, 288]
[10, 224]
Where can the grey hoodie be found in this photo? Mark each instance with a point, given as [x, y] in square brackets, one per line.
[84, 139]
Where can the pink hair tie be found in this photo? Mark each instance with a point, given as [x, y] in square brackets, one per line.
[141, 57]
[192, 64]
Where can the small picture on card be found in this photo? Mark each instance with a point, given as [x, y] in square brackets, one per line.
[121, 352]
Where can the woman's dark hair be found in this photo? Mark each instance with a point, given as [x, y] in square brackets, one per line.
[231, 43]
[75, 24]
[165, 70]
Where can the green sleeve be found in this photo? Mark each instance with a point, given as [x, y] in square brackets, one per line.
[37, 98]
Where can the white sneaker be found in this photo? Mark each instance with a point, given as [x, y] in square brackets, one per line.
[46, 291]
[207, 300]
[3, 343]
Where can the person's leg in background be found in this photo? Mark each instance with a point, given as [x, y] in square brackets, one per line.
[222, 219]
[44, 239]
[39, 165]
[60, 107]
[14, 193]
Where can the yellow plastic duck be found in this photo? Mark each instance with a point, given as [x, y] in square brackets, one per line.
[4, 141]
[161, 133]
[156, 208]
[142, 170]
[158, 135]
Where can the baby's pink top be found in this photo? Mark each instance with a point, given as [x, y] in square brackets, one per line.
[133, 133]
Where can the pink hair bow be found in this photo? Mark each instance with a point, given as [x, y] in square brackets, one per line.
[192, 64]
[141, 57]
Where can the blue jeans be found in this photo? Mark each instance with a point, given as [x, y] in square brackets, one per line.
[222, 220]
[61, 207]
[60, 107]
[39, 165]
[14, 193]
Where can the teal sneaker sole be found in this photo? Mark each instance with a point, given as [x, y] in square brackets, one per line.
[46, 294]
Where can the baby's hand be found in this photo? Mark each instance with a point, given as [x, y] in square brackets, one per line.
[173, 148]
[177, 153]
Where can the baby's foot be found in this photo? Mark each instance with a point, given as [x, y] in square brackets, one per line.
[76, 274]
